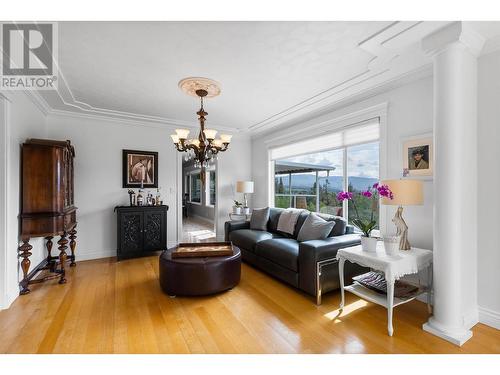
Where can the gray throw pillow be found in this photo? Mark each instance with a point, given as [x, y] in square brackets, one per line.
[259, 219]
[315, 228]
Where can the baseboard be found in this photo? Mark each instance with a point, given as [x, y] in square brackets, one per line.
[94, 255]
[489, 317]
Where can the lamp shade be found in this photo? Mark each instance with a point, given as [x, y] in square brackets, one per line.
[406, 192]
[244, 186]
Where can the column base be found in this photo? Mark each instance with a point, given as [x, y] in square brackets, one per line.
[457, 337]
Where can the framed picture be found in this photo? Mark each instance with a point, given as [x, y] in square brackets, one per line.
[140, 166]
[418, 156]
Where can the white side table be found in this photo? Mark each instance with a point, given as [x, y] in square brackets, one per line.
[394, 267]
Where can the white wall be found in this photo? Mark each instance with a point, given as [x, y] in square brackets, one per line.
[409, 112]
[233, 165]
[98, 175]
[488, 183]
[24, 120]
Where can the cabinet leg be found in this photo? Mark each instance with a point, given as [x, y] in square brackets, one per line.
[49, 245]
[390, 304]
[72, 246]
[62, 256]
[25, 250]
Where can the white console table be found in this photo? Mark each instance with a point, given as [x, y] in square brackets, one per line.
[394, 267]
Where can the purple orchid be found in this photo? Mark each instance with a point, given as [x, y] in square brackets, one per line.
[343, 195]
[373, 193]
[367, 194]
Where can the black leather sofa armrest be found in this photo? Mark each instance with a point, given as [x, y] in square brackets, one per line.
[229, 226]
[311, 252]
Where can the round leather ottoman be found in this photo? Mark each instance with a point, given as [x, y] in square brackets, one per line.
[199, 276]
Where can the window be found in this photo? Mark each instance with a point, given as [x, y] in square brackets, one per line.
[210, 191]
[195, 188]
[312, 180]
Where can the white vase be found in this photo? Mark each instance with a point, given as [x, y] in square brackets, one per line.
[236, 210]
[391, 244]
[369, 244]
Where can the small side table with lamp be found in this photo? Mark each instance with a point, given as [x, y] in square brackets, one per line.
[245, 187]
[393, 266]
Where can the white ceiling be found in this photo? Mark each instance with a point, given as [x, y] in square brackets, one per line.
[270, 72]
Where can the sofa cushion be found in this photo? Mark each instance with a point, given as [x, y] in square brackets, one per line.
[247, 238]
[274, 216]
[339, 228]
[315, 228]
[259, 219]
[282, 251]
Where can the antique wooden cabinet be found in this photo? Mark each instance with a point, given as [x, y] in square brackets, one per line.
[141, 230]
[47, 206]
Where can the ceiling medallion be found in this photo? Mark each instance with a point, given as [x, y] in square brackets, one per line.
[205, 147]
[192, 84]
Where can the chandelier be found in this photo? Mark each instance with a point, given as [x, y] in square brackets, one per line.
[203, 149]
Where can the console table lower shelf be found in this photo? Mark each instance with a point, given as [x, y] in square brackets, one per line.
[394, 267]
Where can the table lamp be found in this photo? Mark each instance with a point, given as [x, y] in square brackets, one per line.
[406, 193]
[245, 187]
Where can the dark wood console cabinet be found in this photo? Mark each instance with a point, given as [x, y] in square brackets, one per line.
[47, 207]
[141, 230]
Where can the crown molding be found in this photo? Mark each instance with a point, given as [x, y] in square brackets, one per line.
[455, 32]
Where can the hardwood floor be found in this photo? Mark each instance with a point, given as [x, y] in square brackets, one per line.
[110, 307]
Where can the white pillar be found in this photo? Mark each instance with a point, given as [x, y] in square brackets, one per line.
[454, 50]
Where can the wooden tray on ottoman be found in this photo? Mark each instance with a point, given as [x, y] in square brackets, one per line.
[203, 249]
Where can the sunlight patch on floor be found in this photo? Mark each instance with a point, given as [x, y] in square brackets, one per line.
[335, 314]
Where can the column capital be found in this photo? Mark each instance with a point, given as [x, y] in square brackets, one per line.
[456, 32]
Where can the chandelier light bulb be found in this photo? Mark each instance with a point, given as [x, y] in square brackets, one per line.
[175, 138]
[226, 138]
[210, 133]
[182, 133]
[195, 142]
[217, 142]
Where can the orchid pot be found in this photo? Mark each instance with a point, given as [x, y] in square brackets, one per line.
[237, 208]
[369, 244]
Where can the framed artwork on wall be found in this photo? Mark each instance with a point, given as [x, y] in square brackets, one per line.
[418, 156]
[140, 167]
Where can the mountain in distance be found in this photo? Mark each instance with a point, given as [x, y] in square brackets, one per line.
[306, 182]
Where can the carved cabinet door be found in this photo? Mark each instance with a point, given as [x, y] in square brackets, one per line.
[154, 230]
[131, 228]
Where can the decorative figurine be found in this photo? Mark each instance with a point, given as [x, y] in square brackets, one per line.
[402, 229]
[131, 195]
[140, 198]
[158, 200]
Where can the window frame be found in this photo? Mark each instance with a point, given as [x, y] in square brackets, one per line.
[208, 180]
[191, 174]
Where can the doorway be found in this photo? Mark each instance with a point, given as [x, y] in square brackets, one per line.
[199, 203]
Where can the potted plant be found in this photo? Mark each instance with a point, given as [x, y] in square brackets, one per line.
[237, 207]
[363, 224]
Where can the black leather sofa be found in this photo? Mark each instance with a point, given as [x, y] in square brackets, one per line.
[309, 266]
